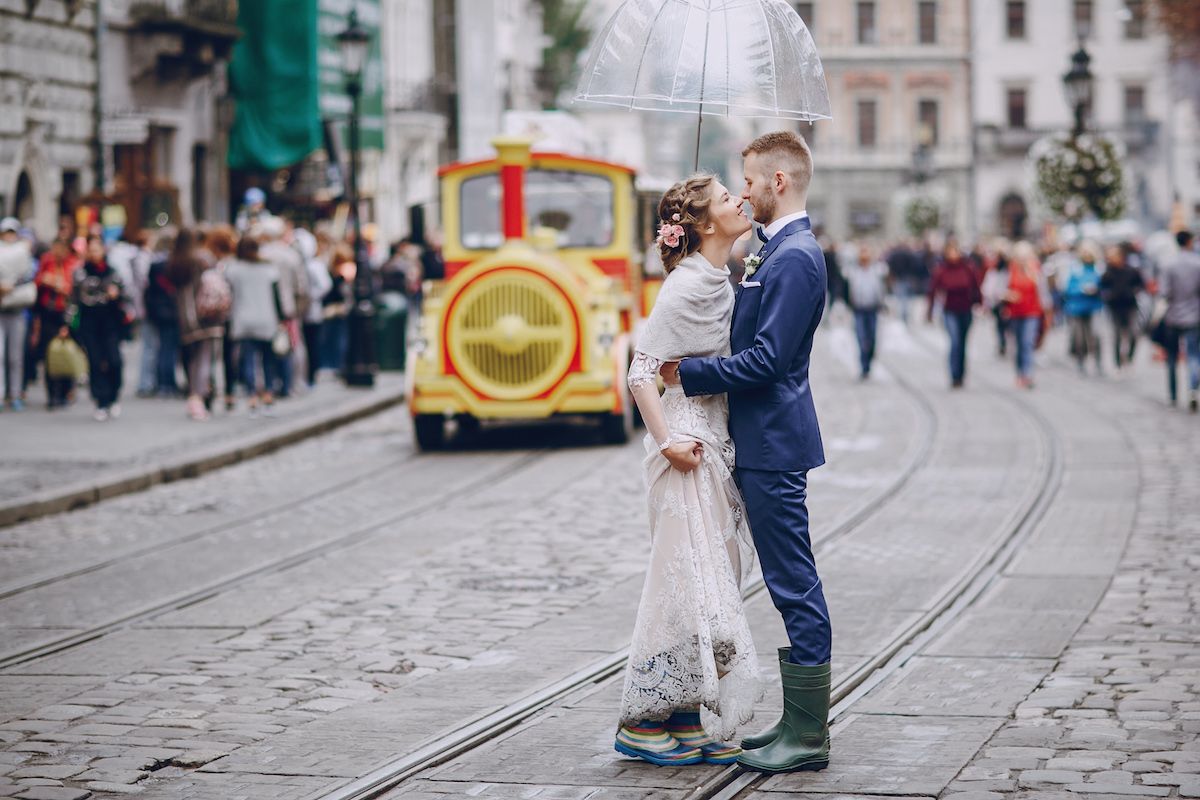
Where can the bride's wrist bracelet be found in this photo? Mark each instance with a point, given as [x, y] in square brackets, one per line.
[662, 446]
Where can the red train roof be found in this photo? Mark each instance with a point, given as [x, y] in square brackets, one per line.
[446, 169]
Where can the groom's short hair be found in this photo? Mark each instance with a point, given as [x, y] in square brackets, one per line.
[784, 151]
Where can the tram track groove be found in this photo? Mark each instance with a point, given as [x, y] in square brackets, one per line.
[359, 534]
[437, 751]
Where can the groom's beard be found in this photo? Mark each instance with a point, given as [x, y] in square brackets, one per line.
[764, 209]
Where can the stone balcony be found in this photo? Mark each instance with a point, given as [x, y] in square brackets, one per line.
[995, 142]
[184, 37]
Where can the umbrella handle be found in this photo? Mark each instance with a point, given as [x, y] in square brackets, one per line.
[699, 122]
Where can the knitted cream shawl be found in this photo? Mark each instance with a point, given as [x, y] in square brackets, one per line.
[692, 313]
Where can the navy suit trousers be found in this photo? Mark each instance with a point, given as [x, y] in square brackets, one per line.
[776, 503]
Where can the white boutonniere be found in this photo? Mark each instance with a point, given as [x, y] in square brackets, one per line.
[752, 263]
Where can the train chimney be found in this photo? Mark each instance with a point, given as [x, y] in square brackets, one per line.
[514, 157]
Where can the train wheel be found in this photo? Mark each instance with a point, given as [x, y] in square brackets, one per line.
[430, 430]
[618, 428]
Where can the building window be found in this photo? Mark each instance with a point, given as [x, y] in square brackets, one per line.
[867, 33]
[867, 125]
[1135, 105]
[1016, 108]
[1014, 18]
[805, 10]
[927, 122]
[1135, 19]
[865, 218]
[1082, 18]
[927, 22]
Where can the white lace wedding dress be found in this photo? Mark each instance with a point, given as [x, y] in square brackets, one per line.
[691, 643]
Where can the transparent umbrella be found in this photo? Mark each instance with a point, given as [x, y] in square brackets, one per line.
[751, 58]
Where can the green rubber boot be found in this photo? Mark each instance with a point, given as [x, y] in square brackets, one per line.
[803, 740]
[756, 740]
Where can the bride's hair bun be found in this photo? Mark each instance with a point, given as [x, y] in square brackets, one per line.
[684, 205]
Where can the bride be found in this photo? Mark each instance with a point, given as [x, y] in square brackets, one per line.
[691, 647]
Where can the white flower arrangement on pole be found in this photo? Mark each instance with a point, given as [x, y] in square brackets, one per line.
[921, 213]
[1078, 175]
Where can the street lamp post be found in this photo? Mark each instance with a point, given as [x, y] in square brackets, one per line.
[360, 356]
[1077, 82]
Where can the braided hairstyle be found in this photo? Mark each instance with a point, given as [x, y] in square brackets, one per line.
[683, 207]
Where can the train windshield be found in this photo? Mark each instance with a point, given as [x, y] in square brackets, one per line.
[578, 205]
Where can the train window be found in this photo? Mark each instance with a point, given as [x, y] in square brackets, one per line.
[578, 205]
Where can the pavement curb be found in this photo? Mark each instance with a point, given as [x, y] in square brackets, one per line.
[117, 483]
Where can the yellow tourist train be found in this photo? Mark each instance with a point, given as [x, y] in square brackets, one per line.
[545, 284]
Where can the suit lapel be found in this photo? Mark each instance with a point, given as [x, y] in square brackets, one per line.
[771, 246]
[765, 252]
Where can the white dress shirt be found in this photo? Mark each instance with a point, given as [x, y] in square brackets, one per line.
[779, 224]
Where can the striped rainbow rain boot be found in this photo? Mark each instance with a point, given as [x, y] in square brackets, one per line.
[685, 727]
[650, 741]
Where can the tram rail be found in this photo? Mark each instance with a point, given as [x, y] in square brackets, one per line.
[361, 533]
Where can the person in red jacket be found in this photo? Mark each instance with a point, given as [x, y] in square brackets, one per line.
[1027, 301]
[956, 286]
[55, 277]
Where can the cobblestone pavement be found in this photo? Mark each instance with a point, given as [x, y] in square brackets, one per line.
[1120, 713]
[292, 682]
[266, 678]
[888, 571]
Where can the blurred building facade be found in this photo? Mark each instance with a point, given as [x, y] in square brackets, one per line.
[899, 84]
[148, 135]
[47, 110]
[1021, 51]
[452, 69]
[162, 127]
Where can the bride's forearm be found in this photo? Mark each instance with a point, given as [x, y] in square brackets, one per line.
[650, 405]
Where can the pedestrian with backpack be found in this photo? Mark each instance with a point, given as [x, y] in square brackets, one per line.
[204, 300]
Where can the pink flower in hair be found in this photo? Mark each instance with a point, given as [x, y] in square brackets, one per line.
[670, 234]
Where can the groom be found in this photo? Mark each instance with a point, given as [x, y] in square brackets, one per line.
[774, 428]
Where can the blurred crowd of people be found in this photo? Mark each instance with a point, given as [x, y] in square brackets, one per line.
[246, 314]
[1026, 290]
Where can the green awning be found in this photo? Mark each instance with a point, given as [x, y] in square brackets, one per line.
[273, 77]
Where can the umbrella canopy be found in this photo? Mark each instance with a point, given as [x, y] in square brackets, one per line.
[750, 58]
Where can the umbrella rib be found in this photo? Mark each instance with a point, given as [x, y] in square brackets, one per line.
[771, 44]
[675, 77]
[728, 85]
[637, 76]
[601, 42]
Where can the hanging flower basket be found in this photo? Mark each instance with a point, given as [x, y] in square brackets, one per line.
[921, 213]
[1076, 176]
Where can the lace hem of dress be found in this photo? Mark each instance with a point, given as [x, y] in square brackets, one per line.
[673, 680]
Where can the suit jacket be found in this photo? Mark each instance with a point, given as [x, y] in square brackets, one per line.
[772, 419]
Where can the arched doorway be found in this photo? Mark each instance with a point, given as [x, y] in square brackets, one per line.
[23, 207]
[1013, 215]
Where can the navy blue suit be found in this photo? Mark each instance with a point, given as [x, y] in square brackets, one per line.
[773, 423]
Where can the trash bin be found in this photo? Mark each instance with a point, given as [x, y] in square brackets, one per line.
[391, 318]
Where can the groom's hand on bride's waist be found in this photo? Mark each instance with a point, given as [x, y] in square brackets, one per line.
[670, 373]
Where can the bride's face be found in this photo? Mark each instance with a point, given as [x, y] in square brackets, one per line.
[725, 216]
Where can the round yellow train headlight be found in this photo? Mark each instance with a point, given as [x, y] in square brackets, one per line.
[511, 334]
